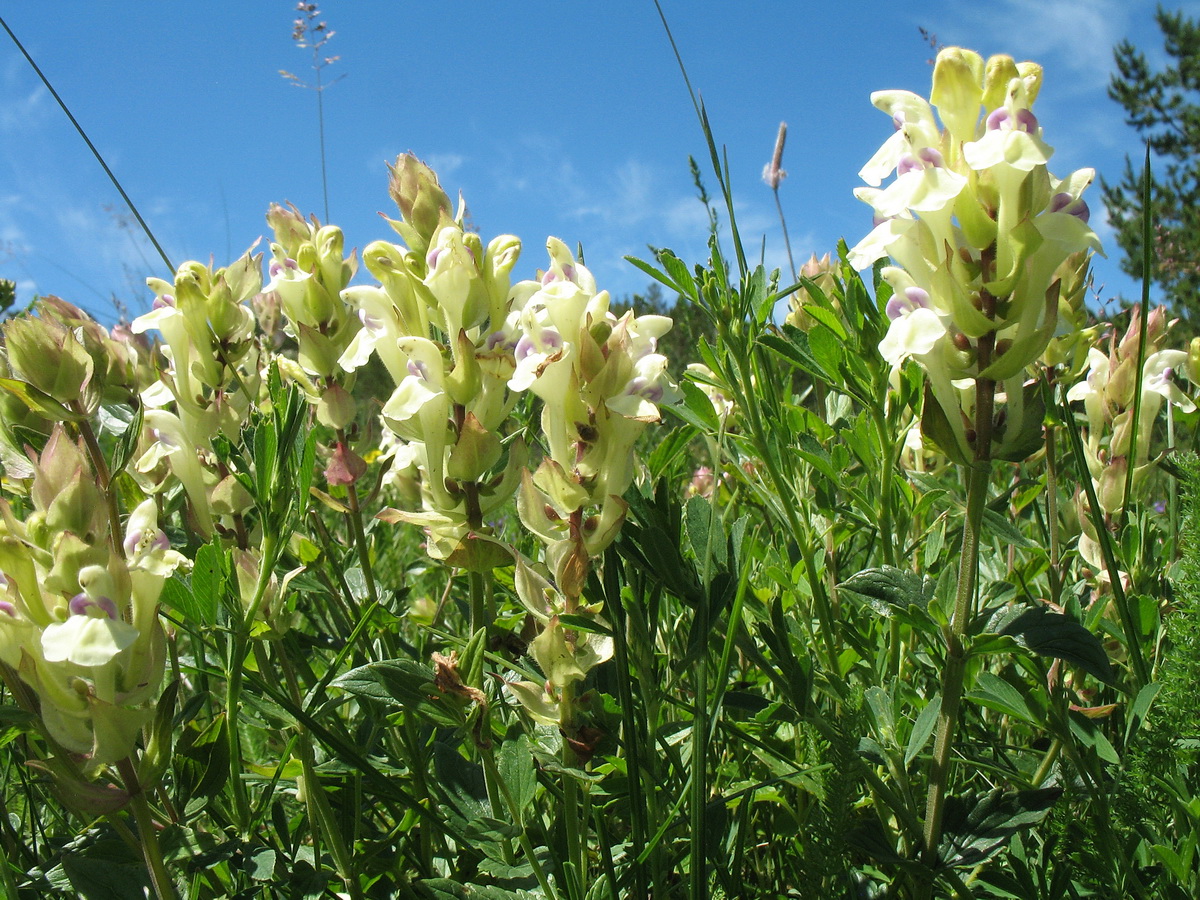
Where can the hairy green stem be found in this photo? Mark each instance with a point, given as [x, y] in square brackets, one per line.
[575, 868]
[514, 811]
[238, 649]
[96, 455]
[953, 675]
[955, 668]
[151, 851]
[314, 793]
[360, 534]
[698, 881]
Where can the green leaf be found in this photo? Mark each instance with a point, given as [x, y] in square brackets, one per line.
[660, 277]
[922, 729]
[208, 583]
[403, 684]
[995, 693]
[260, 864]
[461, 782]
[810, 450]
[888, 588]
[127, 442]
[700, 523]
[39, 401]
[696, 409]
[677, 270]
[977, 826]
[106, 870]
[823, 314]
[1001, 527]
[794, 346]
[201, 761]
[177, 595]
[515, 762]
[583, 623]
[827, 349]
[1052, 634]
[1089, 735]
[1141, 706]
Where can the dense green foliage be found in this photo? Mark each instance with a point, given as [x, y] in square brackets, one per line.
[441, 587]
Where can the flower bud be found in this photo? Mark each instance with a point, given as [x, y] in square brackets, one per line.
[1031, 76]
[291, 229]
[423, 204]
[1193, 361]
[48, 356]
[474, 453]
[1110, 490]
[1000, 70]
[230, 497]
[957, 91]
[336, 408]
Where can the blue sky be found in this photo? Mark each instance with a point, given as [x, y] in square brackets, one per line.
[562, 118]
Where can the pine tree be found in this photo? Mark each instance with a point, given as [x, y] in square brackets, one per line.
[1164, 107]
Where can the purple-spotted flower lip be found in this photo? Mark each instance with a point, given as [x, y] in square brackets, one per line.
[1003, 120]
[165, 438]
[568, 274]
[371, 322]
[642, 386]
[435, 253]
[276, 266]
[418, 369]
[926, 158]
[83, 605]
[501, 340]
[547, 339]
[145, 541]
[164, 300]
[914, 298]
[1072, 206]
[8, 608]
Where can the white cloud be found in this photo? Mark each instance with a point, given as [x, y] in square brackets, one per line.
[27, 102]
[1063, 34]
[445, 164]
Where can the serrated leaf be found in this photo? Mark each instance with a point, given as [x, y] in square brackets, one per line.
[826, 348]
[977, 826]
[888, 588]
[208, 583]
[697, 409]
[995, 693]
[677, 270]
[401, 683]
[700, 522]
[177, 595]
[515, 762]
[105, 870]
[660, 277]
[1001, 527]
[827, 317]
[794, 345]
[1052, 634]
[810, 450]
